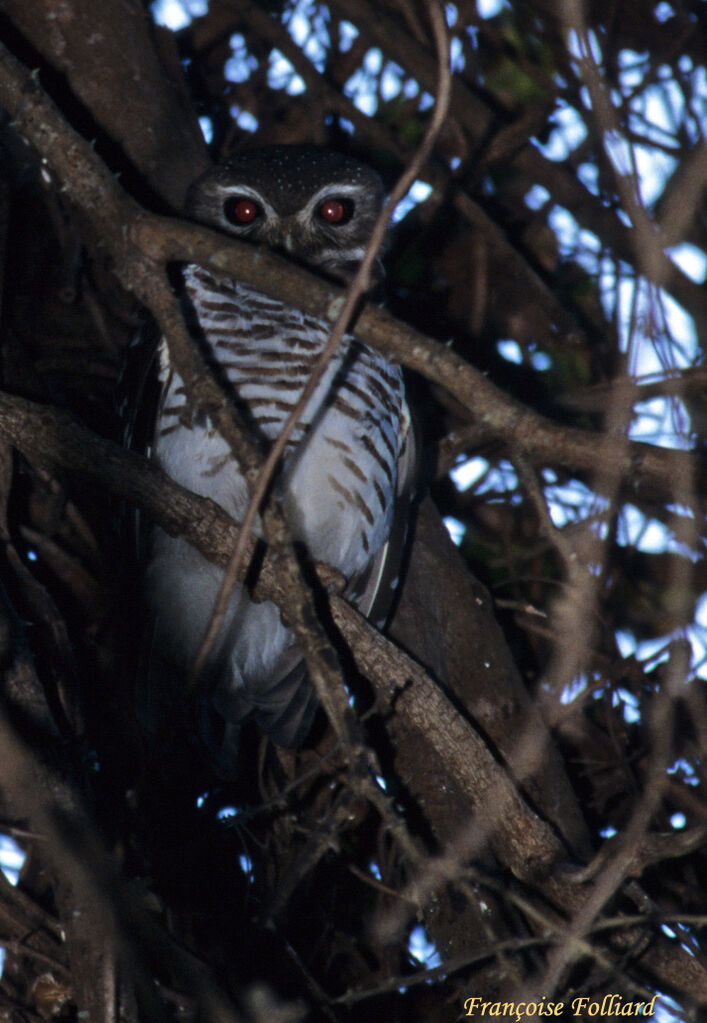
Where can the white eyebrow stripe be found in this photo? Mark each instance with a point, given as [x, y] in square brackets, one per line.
[334, 190]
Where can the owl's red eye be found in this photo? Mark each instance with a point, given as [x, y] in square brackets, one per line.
[241, 210]
[336, 211]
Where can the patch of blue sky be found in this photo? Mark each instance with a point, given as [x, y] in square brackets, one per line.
[282, 75]
[685, 770]
[629, 703]
[540, 361]
[625, 310]
[588, 174]
[651, 652]
[456, 54]
[510, 350]
[653, 167]
[177, 14]
[568, 132]
[348, 33]
[344, 124]
[373, 62]
[246, 865]
[669, 1011]
[676, 932]
[374, 870]
[472, 32]
[536, 197]
[678, 331]
[422, 949]
[657, 111]
[12, 858]
[650, 536]
[697, 635]
[619, 152]
[491, 8]
[309, 31]
[244, 119]
[691, 260]
[663, 12]
[701, 611]
[653, 327]
[680, 509]
[627, 643]
[663, 422]
[360, 95]
[466, 473]
[419, 191]
[608, 271]
[241, 64]
[571, 502]
[361, 87]
[698, 642]
[632, 68]
[478, 472]
[575, 242]
[585, 97]
[391, 81]
[574, 689]
[585, 45]
[678, 821]
[455, 528]
[207, 128]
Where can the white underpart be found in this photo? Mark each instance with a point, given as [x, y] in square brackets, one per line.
[339, 478]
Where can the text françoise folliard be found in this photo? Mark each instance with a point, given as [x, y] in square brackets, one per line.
[609, 1005]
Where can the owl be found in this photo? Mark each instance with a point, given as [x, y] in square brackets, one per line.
[347, 467]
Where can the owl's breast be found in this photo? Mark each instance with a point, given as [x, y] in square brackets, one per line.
[340, 467]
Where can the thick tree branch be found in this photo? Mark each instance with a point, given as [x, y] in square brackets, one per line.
[107, 53]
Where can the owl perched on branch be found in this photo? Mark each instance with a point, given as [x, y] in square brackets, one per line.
[346, 473]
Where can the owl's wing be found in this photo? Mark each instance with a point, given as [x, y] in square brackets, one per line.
[285, 708]
[374, 590]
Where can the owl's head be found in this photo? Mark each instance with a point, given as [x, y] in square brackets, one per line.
[317, 205]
